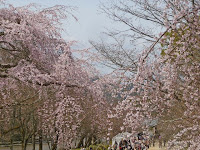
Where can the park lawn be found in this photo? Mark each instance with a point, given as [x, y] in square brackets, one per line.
[96, 147]
[156, 147]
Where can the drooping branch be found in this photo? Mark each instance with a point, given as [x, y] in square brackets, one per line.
[6, 66]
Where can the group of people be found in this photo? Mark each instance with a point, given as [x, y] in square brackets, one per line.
[140, 142]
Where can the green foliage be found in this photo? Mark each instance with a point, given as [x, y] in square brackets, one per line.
[77, 149]
[176, 42]
[96, 147]
[99, 147]
[169, 35]
[163, 52]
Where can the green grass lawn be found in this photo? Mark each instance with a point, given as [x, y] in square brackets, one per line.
[96, 147]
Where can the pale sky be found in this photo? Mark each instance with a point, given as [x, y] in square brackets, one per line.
[90, 21]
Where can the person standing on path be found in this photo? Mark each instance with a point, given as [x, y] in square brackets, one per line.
[115, 146]
[121, 145]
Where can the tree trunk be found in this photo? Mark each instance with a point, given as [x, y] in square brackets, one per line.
[40, 140]
[34, 130]
[11, 138]
[55, 144]
[24, 145]
[11, 143]
[12, 126]
[47, 139]
[33, 141]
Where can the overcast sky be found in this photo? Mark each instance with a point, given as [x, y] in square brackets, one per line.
[90, 21]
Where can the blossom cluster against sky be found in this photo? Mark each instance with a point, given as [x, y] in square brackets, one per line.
[91, 22]
[90, 25]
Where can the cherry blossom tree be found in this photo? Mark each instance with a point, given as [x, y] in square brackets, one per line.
[165, 81]
[34, 54]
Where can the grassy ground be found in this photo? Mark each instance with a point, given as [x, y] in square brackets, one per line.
[29, 147]
[45, 147]
[157, 147]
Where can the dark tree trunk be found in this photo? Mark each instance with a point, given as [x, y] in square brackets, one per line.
[55, 144]
[40, 140]
[12, 126]
[33, 141]
[11, 143]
